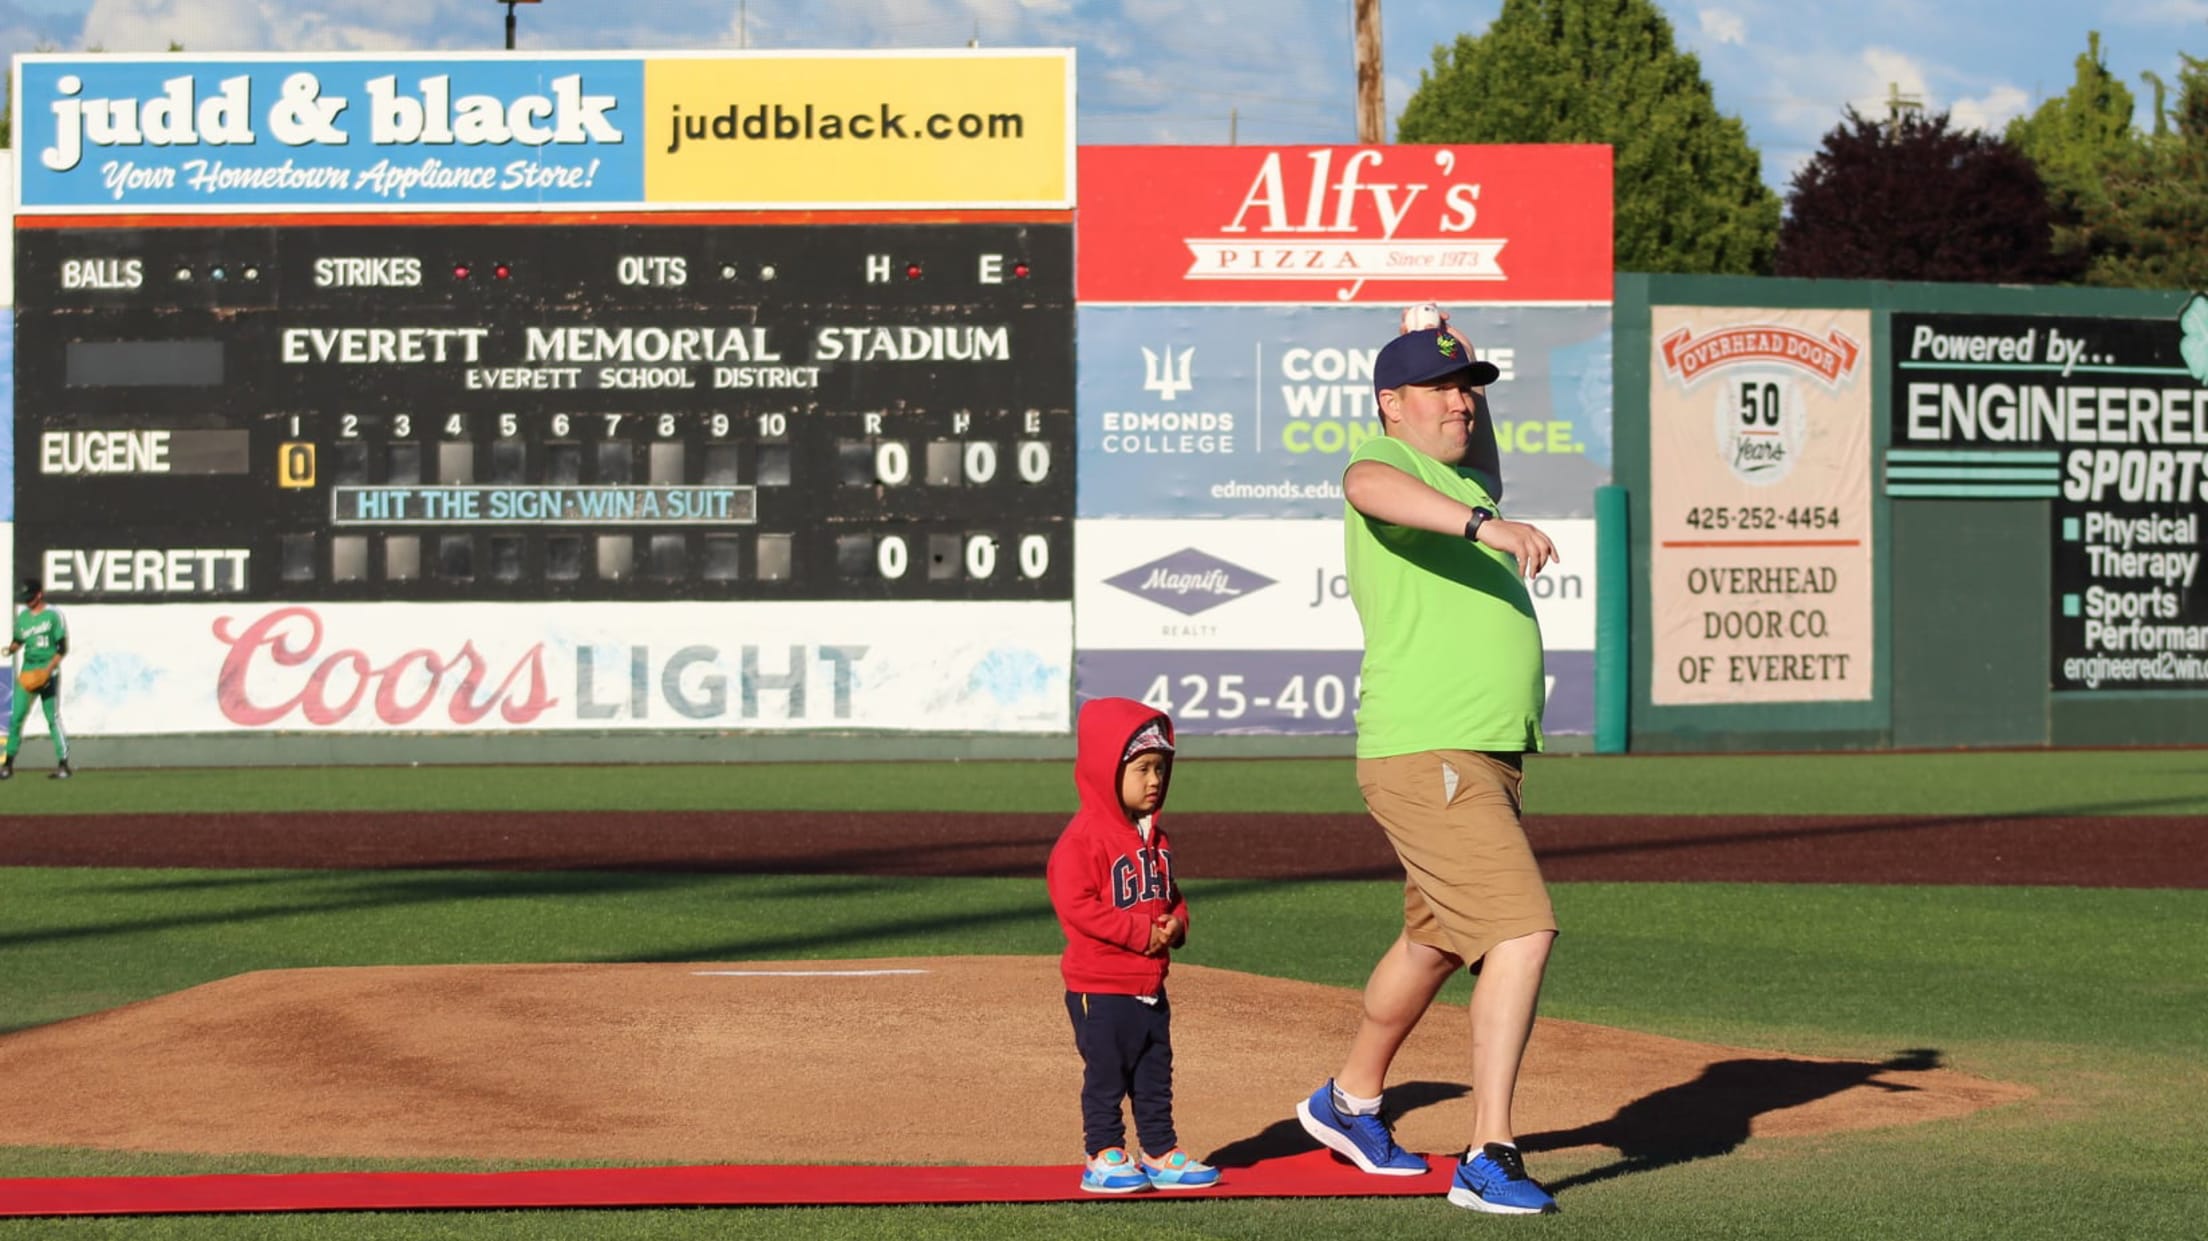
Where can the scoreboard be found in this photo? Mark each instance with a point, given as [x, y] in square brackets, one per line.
[566, 408]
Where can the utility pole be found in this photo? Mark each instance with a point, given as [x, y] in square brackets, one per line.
[510, 19]
[1898, 103]
[1372, 104]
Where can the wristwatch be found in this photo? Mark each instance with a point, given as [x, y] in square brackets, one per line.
[1472, 527]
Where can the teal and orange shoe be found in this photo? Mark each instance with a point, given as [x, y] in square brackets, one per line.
[1113, 1171]
[1176, 1169]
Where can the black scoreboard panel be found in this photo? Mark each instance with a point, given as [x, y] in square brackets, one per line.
[546, 411]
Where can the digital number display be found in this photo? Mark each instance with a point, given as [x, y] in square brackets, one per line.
[620, 411]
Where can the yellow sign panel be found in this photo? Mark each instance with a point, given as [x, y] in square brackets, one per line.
[964, 129]
[295, 464]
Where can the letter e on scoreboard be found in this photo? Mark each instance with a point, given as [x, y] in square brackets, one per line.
[295, 464]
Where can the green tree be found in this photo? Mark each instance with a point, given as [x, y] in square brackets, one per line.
[2155, 212]
[2076, 140]
[1689, 196]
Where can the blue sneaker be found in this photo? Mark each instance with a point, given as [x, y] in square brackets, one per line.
[1495, 1181]
[1176, 1170]
[1111, 1171]
[1363, 1140]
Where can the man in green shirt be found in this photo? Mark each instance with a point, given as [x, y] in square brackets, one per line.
[1451, 699]
[43, 637]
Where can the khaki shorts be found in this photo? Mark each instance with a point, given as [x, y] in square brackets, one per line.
[1452, 815]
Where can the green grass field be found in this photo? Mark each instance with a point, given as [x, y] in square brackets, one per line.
[2037, 782]
[2092, 997]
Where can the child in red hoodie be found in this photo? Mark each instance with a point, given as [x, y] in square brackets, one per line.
[1111, 883]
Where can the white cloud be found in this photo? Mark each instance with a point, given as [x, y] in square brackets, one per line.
[214, 26]
[1885, 75]
[2167, 12]
[1991, 111]
[1722, 26]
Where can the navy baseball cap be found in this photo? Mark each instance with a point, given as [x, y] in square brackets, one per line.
[1422, 357]
[31, 589]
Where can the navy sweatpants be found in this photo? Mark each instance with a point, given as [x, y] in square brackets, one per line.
[1126, 1050]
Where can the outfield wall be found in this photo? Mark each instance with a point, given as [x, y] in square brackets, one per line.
[1986, 533]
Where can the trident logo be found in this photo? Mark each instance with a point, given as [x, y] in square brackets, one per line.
[1167, 376]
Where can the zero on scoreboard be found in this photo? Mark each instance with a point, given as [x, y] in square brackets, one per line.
[558, 411]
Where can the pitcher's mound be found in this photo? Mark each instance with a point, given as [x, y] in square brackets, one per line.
[935, 1060]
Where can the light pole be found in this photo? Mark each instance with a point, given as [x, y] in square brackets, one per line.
[510, 19]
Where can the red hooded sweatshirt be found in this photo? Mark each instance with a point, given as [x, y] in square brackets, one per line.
[1107, 883]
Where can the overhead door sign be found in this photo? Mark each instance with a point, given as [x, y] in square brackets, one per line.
[1760, 506]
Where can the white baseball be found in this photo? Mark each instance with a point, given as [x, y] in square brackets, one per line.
[1422, 317]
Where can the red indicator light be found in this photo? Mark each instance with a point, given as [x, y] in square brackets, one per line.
[1019, 271]
[459, 271]
[502, 272]
[912, 271]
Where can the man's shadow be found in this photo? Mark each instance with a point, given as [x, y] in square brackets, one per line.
[1700, 1119]
[1710, 1115]
[1286, 1137]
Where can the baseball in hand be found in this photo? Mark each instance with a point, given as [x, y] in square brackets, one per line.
[1422, 317]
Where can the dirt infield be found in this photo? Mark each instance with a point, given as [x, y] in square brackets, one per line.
[2139, 851]
[667, 1062]
[845, 1061]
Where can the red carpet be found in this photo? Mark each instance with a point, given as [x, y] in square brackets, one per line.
[1315, 1174]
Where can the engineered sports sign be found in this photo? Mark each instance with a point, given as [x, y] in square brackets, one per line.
[2106, 419]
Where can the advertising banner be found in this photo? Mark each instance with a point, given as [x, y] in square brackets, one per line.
[969, 128]
[2106, 417]
[1760, 577]
[1247, 626]
[861, 129]
[365, 668]
[1328, 224]
[1253, 411]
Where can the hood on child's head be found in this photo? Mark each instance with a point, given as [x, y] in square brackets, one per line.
[1110, 733]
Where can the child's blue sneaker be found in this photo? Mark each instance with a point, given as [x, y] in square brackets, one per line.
[1175, 1169]
[1112, 1171]
[1494, 1180]
[1363, 1140]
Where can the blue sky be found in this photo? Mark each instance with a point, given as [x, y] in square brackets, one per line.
[1256, 71]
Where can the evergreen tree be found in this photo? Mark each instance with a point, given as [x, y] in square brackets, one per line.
[2076, 141]
[1689, 196]
[2151, 229]
[1912, 199]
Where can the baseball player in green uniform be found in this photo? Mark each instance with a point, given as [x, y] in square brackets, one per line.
[43, 638]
